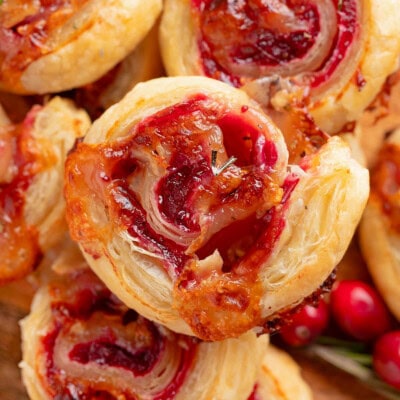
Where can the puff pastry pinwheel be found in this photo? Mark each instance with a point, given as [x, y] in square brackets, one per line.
[340, 52]
[280, 378]
[80, 341]
[51, 46]
[32, 210]
[379, 231]
[183, 202]
[381, 117]
[140, 65]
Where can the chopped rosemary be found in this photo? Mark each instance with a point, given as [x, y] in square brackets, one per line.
[217, 170]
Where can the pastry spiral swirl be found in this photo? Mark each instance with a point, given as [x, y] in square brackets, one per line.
[32, 208]
[51, 46]
[280, 378]
[382, 218]
[80, 341]
[338, 52]
[183, 202]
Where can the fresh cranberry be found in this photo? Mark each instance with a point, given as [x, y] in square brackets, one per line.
[359, 310]
[386, 358]
[306, 325]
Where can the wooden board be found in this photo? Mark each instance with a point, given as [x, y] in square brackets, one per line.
[11, 387]
[14, 305]
[329, 383]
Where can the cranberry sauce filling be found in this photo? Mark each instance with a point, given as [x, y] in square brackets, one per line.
[187, 360]
[248, 243]
[176, 189]
[244, 142]
[233, 241]
[254, 394]
[385, 183]
[16, 237]
[112, 168]
[181, 141]
[253, 33]
[105, 351]
[82, 302]
[274, 222]
[232, 299]
[190, 166]
[133, 215]
[347, 32]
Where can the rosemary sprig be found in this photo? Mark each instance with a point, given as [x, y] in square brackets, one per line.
[362, 358]
[355, 364]
[340, 343]
[217, 170]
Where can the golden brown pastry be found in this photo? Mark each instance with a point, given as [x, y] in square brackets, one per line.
[183, 202]
[51, 46]
[280, 378]
[379, 231]
[32, 156]
[338, 52]
[355, 146]
[380, 118]
[302, 136]
[80, 341]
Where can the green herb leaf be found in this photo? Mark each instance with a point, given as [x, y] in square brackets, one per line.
[347, 344]
[350, 363]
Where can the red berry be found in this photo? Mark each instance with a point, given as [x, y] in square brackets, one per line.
[386, 358]
[306, 325]
[359, 310]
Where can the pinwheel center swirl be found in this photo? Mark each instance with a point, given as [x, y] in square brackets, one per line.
[137, 356]
[197, 140]
[250, 39]
[171, 183]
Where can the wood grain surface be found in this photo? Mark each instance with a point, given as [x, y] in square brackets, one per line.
[329, 383]
[11, 387]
